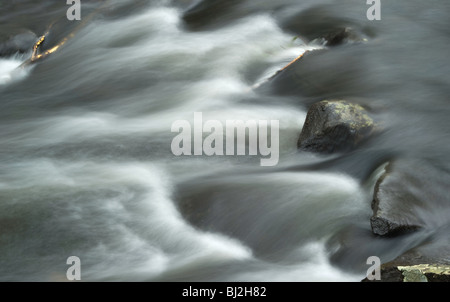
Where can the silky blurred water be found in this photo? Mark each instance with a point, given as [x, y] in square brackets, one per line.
[86, 167]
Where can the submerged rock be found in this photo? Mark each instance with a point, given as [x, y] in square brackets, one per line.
[20, 43]
[335, 125]
[208, 14]
[342, 36]
[324, 22]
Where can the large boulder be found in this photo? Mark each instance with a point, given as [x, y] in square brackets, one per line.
[335, 125]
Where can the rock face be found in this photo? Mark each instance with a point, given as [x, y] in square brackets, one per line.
[335, 125]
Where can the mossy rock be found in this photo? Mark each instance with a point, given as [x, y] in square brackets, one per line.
[414, 273]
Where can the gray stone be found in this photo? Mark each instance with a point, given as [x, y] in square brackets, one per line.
[335, 125]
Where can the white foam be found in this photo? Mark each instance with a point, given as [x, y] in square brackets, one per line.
[9, 70]
[317, 269]
[150, 235]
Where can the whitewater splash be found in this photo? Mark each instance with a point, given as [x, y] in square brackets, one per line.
[86, 138]
[93, 184]
[11, 71]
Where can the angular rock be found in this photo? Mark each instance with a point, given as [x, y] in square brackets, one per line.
[411, 194]
[394, 202]
[335, 125]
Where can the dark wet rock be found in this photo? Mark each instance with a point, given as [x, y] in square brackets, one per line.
[385, 227]
[392, 204]
[325, 73]
[20, 43]
[341, 36]
[206, 12]
[322, 22]
[335, 125]
[411, 194]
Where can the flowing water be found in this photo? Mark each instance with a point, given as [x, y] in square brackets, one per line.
[86, 167]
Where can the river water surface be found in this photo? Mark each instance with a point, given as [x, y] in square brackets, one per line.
[86, 167]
